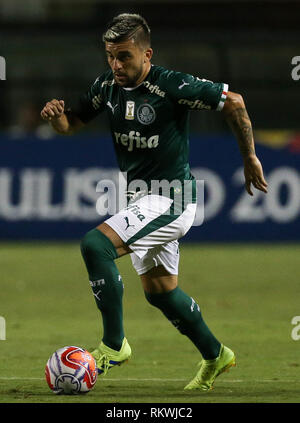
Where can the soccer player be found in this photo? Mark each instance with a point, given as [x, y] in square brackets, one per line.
[148, 107]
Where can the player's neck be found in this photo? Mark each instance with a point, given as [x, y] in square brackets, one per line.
[144, 74]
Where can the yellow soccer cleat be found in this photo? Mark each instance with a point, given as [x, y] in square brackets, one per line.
[210, 369]
[106, 357]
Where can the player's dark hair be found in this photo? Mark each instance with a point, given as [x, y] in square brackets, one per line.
[128, 26]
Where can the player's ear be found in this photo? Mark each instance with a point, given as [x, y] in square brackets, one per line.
[148, 55]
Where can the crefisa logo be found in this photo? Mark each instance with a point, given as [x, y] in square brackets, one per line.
[2, 68]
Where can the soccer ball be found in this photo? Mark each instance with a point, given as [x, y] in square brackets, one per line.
[71, 370]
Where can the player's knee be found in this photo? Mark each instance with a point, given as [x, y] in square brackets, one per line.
[96, 244]
[87, 244]
[153, 299]
[148, 297]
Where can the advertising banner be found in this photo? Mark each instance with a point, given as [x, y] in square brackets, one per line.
[49, 189]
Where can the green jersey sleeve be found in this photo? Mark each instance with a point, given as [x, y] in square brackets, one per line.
[91, 103]
[195, 93]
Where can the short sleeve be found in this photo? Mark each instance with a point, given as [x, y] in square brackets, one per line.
[196, 93]
[91, 103]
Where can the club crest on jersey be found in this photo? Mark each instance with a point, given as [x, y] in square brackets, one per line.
[145, 114]
[129, 114]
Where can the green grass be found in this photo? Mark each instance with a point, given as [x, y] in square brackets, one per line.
[248, 295]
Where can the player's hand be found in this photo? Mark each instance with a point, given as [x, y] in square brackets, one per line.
[54, 109]
[254, 175]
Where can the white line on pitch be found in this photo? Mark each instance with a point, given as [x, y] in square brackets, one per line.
[158, 380]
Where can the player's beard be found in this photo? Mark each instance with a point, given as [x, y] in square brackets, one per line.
[131, 81]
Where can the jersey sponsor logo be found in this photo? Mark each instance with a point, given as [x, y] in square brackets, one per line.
[183, 84]
[128, 224]
[111, 106]
[194, 104]
[134, 139]
[146, 114]
[129, 113]
[97, 101]
[204, 80]
[154, 89]
[108, 82]
[97, 294]
[135, 209]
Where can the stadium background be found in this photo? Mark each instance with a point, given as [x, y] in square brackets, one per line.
[241, 265]
[249, 45]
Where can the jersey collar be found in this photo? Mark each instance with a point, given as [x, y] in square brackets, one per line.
[134, 88]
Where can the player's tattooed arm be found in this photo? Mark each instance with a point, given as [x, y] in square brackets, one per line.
[238, 119]
[64, 122]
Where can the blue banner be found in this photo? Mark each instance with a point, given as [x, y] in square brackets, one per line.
[48, 188]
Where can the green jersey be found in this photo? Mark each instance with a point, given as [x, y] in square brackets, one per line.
[150, 123]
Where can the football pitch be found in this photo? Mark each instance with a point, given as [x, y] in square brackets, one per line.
[248, 294]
